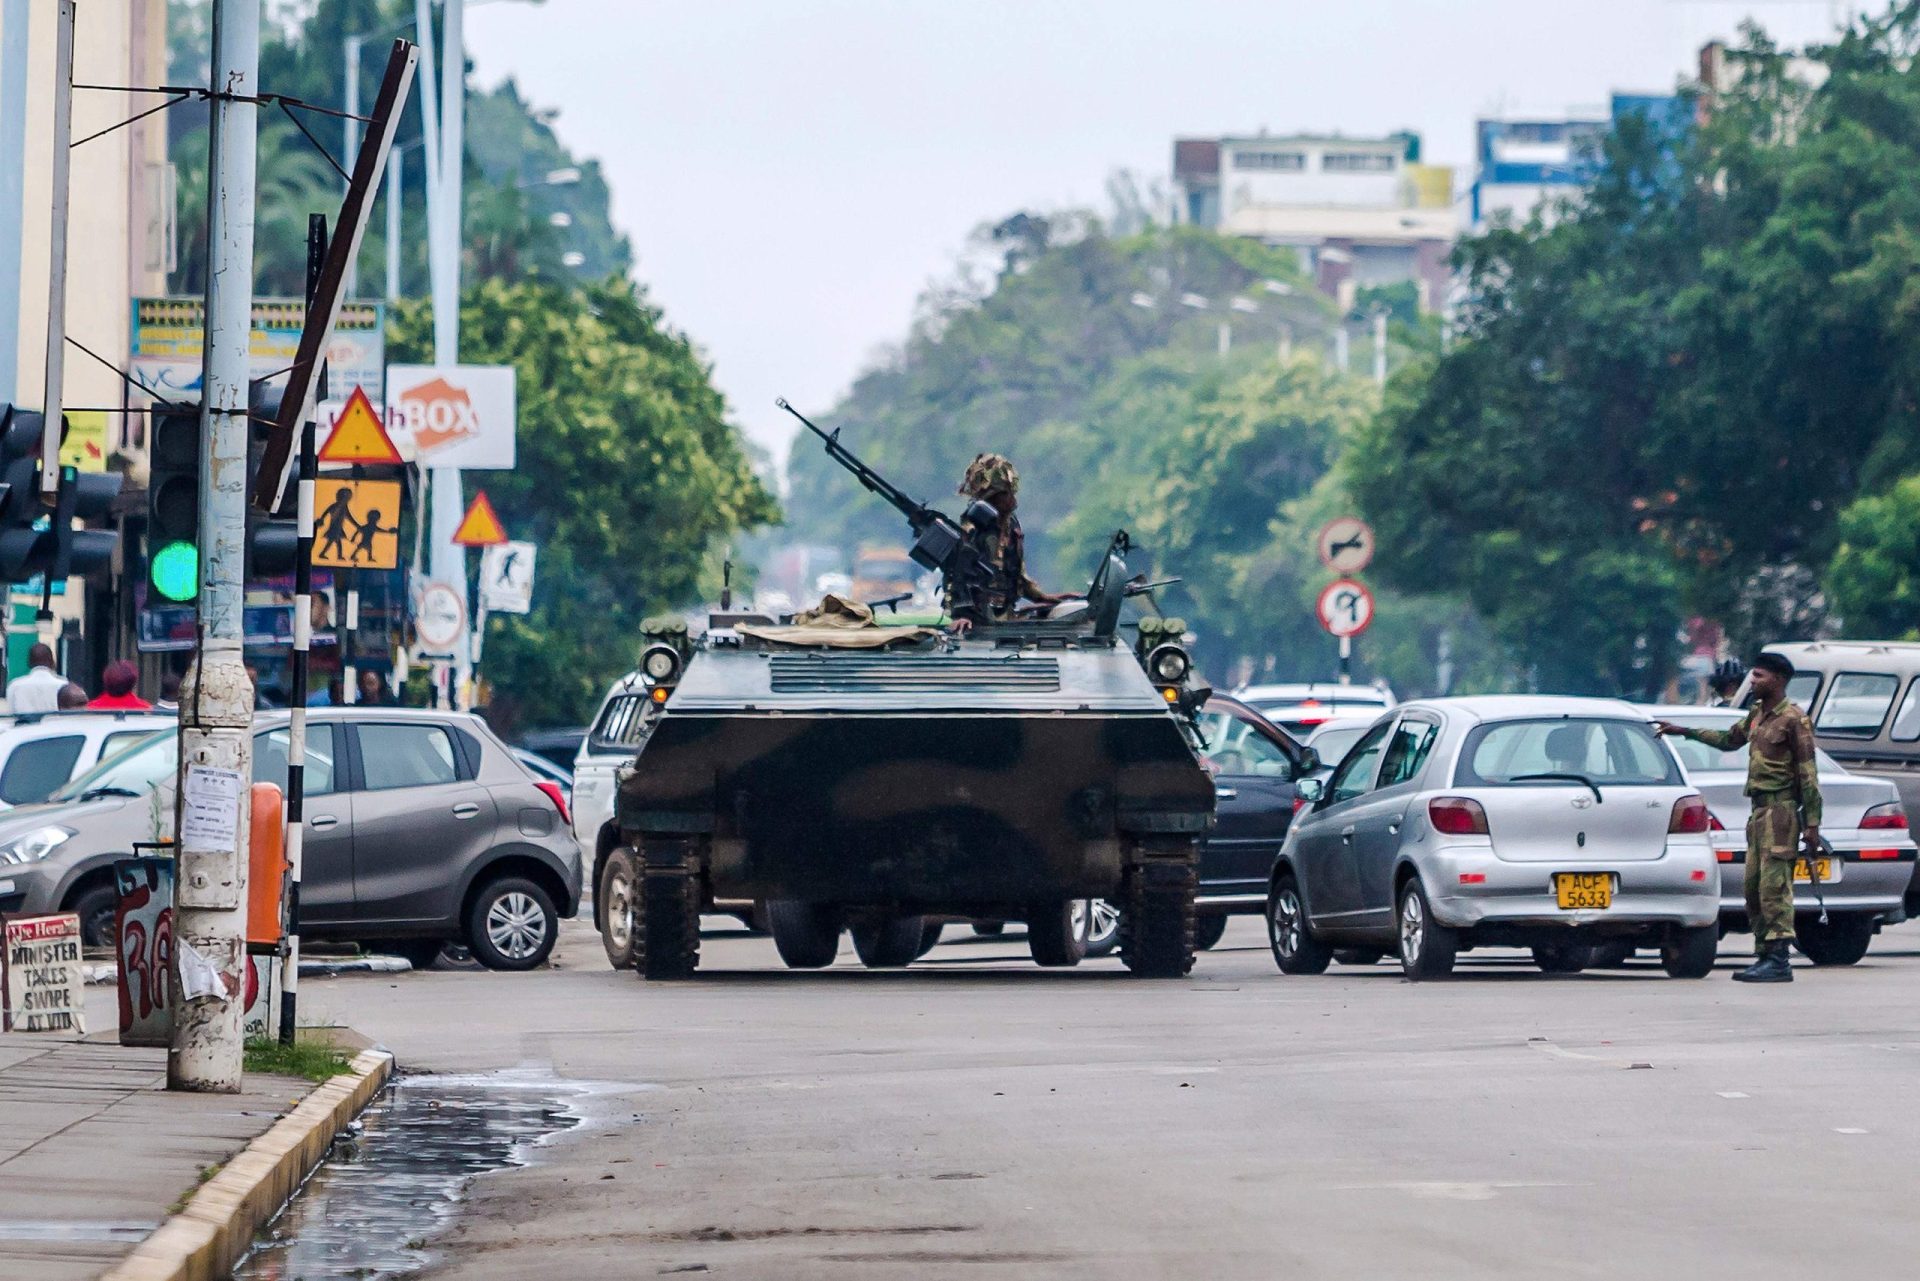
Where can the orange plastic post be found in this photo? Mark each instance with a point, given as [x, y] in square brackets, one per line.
[266, 865]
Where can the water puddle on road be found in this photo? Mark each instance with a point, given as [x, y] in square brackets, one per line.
[386, 1191]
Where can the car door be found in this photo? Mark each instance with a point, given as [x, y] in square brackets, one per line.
[1253, 778]
[326, 850]
[419, 820]
[1325, 844]
[1380, 815]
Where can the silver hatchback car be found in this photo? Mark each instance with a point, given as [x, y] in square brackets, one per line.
[1548, 823]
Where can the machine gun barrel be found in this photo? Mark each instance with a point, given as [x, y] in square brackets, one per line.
[917, 514]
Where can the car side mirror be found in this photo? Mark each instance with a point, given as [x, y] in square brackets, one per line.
[1309, 763]
[1311, 790]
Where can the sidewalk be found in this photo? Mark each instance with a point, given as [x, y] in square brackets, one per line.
[94, 1153]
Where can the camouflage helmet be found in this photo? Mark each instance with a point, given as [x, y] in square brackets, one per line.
[990, 474]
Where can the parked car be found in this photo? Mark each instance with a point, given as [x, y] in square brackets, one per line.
[557, 745]
[1256, 767]
[422, 829]
[540, 767]
[1299, 708]
[1548, 823]
[1864, 698]
[1861, 886]
[41, 753]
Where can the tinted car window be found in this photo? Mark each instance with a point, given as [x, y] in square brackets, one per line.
[619, 723]
[1356, 772]
[1407, 751]
[1857, 704]
[139, 769]
[1235, 746]
[270, 760]
[1332, 744]
[406, 756]
[36, 768]
[118, 742]
[1803, 689]
[1610, 753]
[1906, 721]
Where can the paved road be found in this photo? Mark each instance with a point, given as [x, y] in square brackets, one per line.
[975, 1116]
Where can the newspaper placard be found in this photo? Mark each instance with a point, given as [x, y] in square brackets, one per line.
[42, 986]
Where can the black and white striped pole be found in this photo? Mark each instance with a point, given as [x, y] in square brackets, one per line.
[302, 642]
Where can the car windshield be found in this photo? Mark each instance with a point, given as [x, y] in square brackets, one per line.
[1332, 744]
[1699, 757]
[1606, 752]
[136, 770]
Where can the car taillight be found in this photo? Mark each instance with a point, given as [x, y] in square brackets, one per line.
[1713, 821]
[1885, 816]
[1690, 815]
[1308, 722]
[1457, 816]
[559, 799]
[1725, 856]
[1879, 856]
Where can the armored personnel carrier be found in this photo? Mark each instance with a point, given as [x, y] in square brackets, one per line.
[852, 775]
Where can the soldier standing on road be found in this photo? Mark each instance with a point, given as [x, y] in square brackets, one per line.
[1003, 546]
[1783, 780]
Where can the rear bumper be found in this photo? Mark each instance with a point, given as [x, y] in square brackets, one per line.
[1682, 887]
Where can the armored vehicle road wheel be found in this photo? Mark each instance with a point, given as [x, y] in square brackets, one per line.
[807, 935]
[1156, 931]
[1056, 934]
[667, 915]
[616, 896]
[885, 945]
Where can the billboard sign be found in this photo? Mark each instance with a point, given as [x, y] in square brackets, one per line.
[453, 415]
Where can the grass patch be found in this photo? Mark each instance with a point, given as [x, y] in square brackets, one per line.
[309, 1059]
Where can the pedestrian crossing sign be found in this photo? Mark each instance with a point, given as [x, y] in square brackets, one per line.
[356, 524]
[359, 436]
[480, 527]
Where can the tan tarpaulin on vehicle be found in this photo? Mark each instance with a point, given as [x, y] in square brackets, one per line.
[837, 623]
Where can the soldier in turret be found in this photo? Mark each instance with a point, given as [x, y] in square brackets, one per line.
[1002, 546]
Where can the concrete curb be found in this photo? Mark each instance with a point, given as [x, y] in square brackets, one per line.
[204, 1241]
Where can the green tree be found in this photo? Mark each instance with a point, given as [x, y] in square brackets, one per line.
[1874, 580]
[628, 477]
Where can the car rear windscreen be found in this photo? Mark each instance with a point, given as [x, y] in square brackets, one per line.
[1604, 751]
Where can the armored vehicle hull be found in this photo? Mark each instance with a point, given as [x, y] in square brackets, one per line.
[997, 778]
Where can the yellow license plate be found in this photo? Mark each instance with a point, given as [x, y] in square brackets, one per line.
[1579, 891]
[1801, 872]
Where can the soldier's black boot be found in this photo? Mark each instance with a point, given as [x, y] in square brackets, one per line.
[1772, 967]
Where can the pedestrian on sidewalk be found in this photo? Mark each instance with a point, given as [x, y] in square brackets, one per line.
[117, 684]
[72, 698]
[1783, 783]
[39, 689]
[374, 691]
[169, 700]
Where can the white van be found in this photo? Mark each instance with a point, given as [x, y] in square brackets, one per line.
[611, 741]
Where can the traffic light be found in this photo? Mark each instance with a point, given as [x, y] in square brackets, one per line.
[22, 546]
[84, 495]
[273, 539]
[173, 504]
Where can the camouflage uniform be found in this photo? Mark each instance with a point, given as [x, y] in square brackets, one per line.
[1003, 547]
[1783, 780]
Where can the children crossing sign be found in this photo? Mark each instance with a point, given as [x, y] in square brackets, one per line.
[356, 524]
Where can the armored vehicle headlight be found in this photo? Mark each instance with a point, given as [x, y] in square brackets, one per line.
[660, 663]
[1168, 665]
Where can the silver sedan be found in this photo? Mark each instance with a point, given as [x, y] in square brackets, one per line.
[1548, 823]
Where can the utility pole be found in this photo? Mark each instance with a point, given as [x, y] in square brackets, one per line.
[55, 387]
[349, 137]
[214, 785]
[1380, 348]
[14, 16]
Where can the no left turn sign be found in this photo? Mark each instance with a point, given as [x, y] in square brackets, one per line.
[1345, 607]
[1345, 545]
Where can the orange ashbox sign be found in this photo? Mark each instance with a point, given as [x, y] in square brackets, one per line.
[455, 415]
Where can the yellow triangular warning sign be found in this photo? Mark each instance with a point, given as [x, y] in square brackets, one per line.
[480, 527]
[359, 436]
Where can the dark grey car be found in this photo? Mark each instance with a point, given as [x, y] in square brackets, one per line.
[422, 830]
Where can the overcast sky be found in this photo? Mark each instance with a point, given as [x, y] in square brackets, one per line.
[793, 172]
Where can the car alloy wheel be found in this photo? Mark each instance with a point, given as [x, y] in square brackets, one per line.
[617, 911]
[1286, 922]
[1295, 950]
[1098, 921]
[1413, 928]
[516, 925]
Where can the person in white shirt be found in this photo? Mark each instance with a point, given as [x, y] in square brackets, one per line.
[39, 689]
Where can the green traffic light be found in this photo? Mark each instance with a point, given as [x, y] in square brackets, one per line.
[175, 571]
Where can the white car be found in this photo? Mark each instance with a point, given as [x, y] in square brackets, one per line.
[1298, 708]
[41, 753]
[612, 740]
